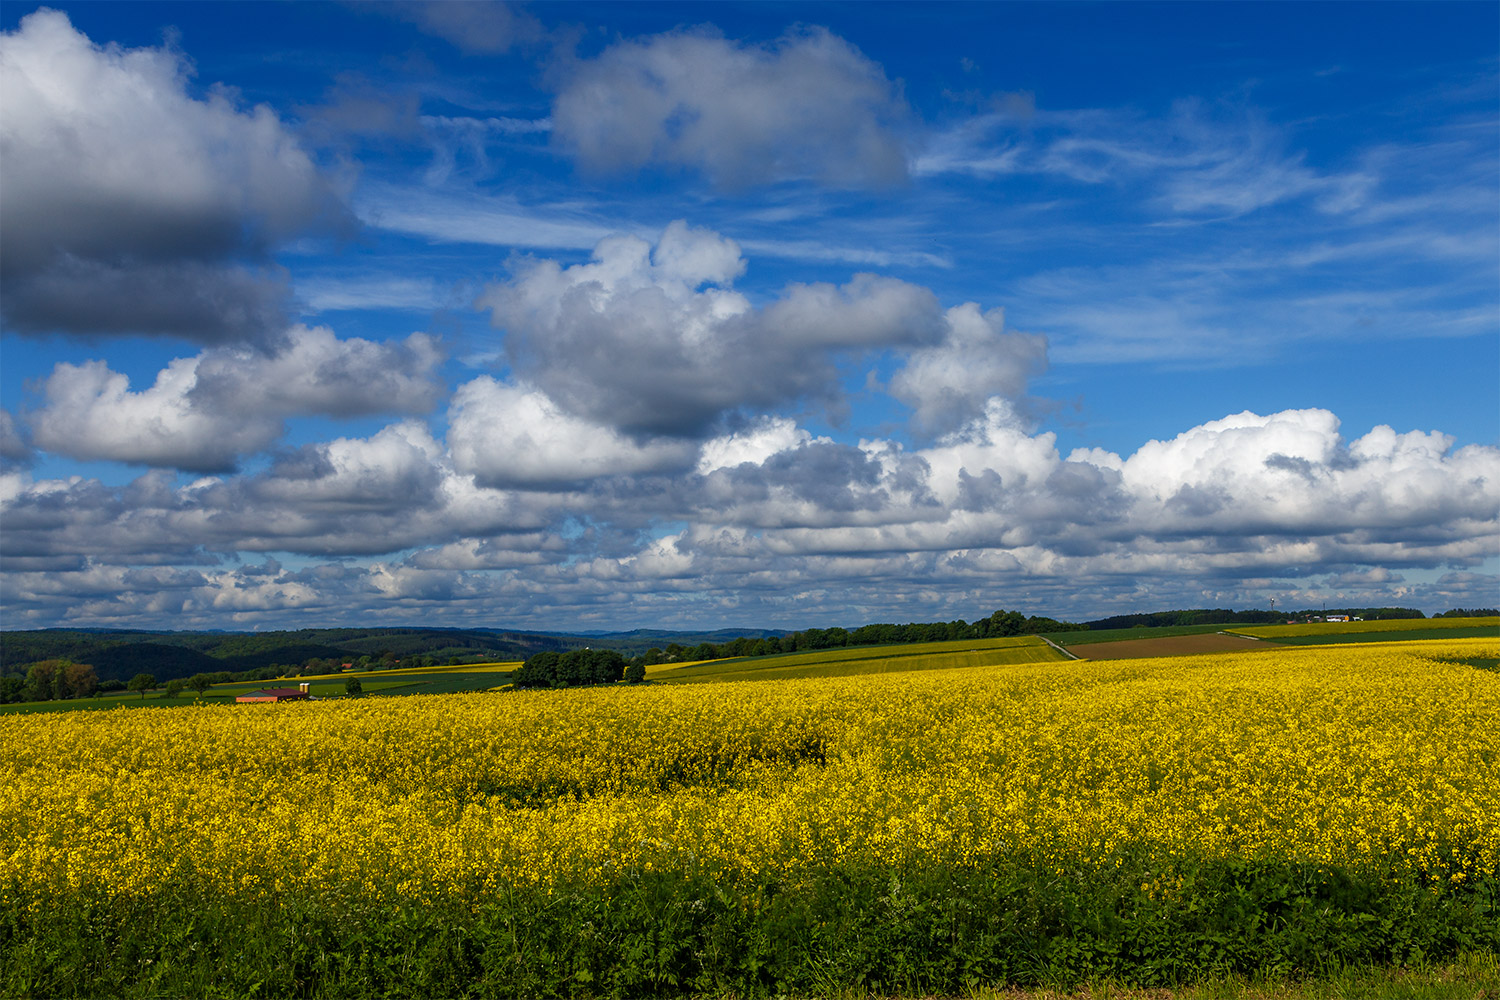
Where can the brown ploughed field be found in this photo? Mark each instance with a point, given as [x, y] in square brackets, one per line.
[1171, 645]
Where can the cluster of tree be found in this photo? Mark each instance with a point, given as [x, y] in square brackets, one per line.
[577, 668]
[1224, 616]
[50, 680]
[1368, 614]
[1469, 613]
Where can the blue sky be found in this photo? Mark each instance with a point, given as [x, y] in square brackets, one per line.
[668, 315]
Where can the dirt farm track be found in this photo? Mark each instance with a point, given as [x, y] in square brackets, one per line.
[1173, 645]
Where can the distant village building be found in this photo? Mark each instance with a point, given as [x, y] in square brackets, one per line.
[299, 693]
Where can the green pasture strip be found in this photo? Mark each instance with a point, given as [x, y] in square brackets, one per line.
[419, 681]
[109, 702]
[1442, 628]
[1119, 634]
[452, 681]
[445, 680]
[496, 667]
[1410, 635]
[436, 680]
[842, 654]
[73, 705]
[788, 668]
[846, 654]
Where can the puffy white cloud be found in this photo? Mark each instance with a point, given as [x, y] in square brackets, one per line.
[995, 448]
[809, 106]
[754, 444]
[655, 339]
[514, 435]
[202, 413]
[313, 371]
[1292, 473]
[131, 206]
[351, 496]
[92, 414]
[950, 383]
[392, 471]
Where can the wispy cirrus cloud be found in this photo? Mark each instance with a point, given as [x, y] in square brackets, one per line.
[1200, 160]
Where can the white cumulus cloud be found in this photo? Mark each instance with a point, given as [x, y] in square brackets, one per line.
[808, 106]
[949, 383]
[204, 412]
[656, 339]
[514, 435]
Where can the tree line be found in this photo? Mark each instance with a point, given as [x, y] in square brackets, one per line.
[599, 666]
[50, 680]
[1224, 616]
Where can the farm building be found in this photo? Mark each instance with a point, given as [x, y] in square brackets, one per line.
[298, 693]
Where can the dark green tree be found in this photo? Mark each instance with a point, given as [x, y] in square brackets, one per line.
[143, 683]
[79, 680]
[46, 680]
[551, 669]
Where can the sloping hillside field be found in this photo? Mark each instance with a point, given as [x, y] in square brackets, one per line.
[1172, 645]
[851, 661]
[924, 832]
[1317, 633]
[1122, 645]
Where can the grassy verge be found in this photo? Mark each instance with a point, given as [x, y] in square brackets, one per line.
[1473, 976]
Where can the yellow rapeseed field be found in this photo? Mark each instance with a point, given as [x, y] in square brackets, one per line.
[1376, 758]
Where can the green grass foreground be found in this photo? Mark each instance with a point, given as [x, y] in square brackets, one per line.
[1474, 976]
[852, 931]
